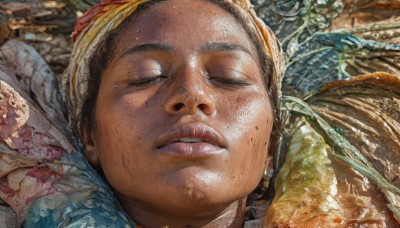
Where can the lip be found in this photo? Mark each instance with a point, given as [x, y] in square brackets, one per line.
[212, 142]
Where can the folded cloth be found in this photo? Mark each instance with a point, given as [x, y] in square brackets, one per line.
[44, 176]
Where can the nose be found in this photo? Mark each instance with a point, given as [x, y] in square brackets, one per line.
[190, 96]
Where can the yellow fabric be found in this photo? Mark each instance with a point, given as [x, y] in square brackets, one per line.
[74, 80]
[109, 16]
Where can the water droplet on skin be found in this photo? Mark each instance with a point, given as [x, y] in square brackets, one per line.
[225, 32]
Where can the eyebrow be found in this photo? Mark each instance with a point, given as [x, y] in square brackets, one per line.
[147, 48]
[203, 49]
[216, 47]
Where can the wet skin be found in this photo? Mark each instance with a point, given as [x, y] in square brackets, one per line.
[185, 70]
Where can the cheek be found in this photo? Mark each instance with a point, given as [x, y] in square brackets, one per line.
[249, 131]
[250, 121]
[119, 140]
[112, 147]
[122, 124]
[114, 130]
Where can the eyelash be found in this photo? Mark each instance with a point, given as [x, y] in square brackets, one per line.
[222, 81]
[147, 81]
[230, 82]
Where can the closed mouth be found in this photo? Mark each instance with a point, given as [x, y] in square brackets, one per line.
[191, 139]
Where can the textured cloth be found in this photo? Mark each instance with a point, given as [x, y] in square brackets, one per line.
[44, 176]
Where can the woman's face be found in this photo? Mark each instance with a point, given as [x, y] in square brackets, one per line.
[182, 117]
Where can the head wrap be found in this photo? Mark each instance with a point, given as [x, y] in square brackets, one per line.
[99, 21]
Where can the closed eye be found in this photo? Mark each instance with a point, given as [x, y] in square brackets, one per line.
[229, 82]
[147, 81]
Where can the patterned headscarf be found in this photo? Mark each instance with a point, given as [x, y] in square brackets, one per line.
[99, 21]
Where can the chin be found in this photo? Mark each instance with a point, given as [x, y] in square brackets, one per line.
[205, 188]
[197, 203]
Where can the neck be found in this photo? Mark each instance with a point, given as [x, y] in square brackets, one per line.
[230, 216]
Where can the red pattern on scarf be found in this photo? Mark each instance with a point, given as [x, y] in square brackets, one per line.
[91, 14]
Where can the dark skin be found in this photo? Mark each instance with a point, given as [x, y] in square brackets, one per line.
[182, 118]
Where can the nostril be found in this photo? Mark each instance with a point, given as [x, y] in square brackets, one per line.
[202, 107]
[178, 106]
[206, 109]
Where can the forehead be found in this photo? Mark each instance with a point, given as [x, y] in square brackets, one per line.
[185, 24]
